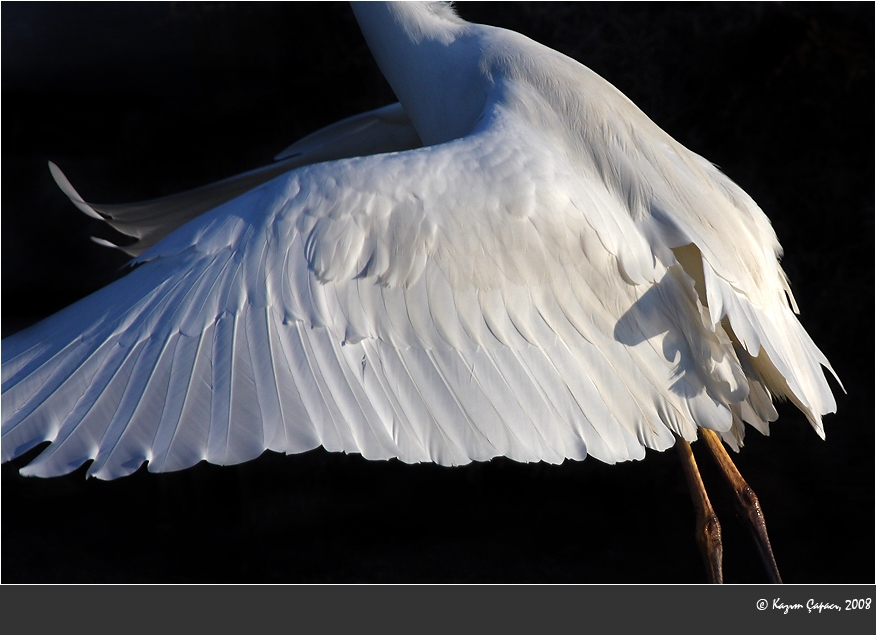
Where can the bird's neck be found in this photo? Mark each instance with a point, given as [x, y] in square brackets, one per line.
[427, 55]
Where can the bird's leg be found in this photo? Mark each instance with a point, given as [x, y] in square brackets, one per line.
[708, 531]
[747, 505]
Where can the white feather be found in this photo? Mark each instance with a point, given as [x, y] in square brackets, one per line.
[552, 276]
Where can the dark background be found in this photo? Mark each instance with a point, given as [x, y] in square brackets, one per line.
[138, 100]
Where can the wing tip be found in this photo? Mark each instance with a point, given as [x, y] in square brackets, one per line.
[67, 188]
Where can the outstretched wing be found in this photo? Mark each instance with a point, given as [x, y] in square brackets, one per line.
[386, 129]
[451, 303]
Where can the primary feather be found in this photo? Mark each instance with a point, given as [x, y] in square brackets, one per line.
[551, 276]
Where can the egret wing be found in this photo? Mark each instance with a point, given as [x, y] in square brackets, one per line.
[685, 205]
[385, 129]
[687, 213]
[449, 303]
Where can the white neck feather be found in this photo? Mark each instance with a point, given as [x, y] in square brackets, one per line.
[428, 56]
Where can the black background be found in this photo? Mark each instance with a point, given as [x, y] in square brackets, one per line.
[139, 100]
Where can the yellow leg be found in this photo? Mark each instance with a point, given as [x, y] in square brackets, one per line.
[747, 505]
[708, 531]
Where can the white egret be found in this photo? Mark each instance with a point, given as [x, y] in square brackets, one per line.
[550, 277]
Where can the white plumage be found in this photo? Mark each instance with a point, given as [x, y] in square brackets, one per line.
[549, 276]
